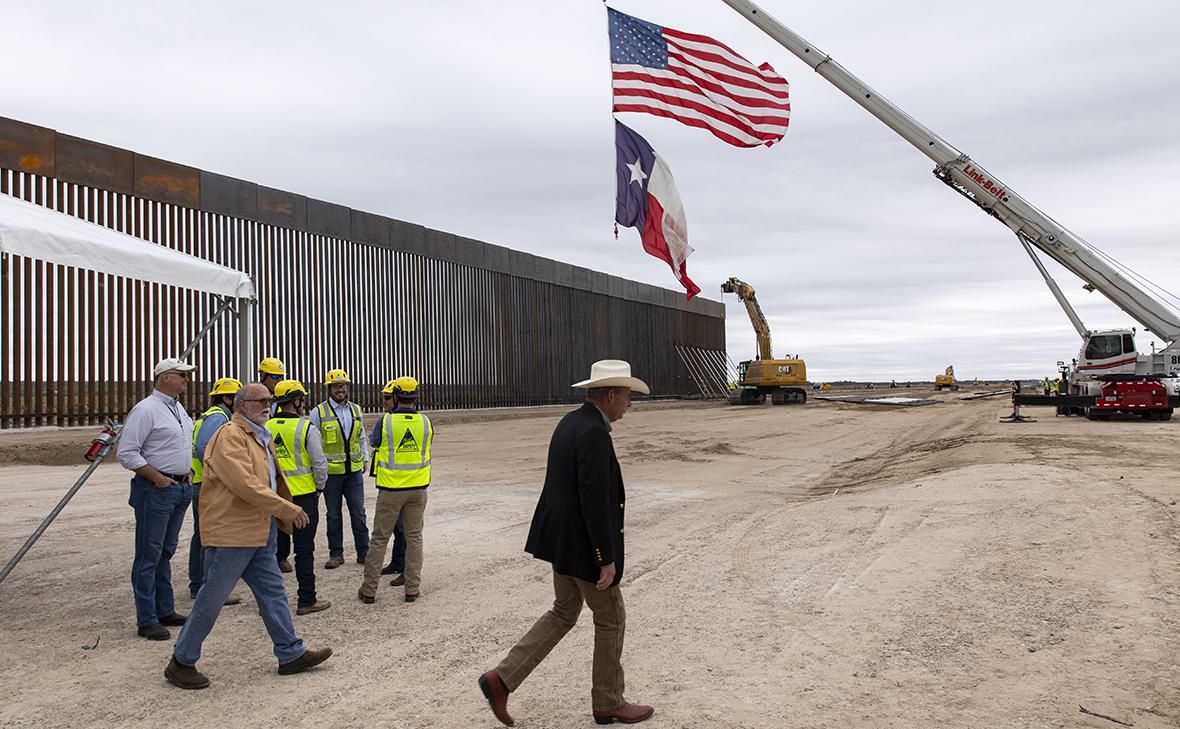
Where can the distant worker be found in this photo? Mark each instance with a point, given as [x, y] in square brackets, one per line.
[156, 443]
[397, 559]
[342, 432]
[221, 409]
[271, 371]
[578, 528]
[301, 459]
[1056, 385]
[403, 475]
[1047, 386]
[244, 494]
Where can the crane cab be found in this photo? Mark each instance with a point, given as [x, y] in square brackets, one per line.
[1107, 352]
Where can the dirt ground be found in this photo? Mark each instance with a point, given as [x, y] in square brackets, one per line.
[828, 565]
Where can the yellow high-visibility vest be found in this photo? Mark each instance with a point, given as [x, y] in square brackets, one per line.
[403, 458]
[198, 464]
[289, 433]
[340, 459]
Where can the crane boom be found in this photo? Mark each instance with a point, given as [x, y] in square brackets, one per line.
[980, 186]
[745, 292]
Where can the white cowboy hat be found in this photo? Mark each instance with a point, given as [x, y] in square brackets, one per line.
[613, 373]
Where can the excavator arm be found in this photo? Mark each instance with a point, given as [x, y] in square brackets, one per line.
[745, 292]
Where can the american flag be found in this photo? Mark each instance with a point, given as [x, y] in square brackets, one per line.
[697, 81]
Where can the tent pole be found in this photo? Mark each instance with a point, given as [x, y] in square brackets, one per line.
[102, 454]
[245, 341]
[226, 303]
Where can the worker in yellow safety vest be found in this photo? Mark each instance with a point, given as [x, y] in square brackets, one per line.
[342, 431]
[299, 455]
[221, 409]
[403, 443]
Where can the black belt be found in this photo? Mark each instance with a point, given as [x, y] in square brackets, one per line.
[179, 477]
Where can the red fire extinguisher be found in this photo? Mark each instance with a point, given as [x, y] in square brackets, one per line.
[100, 442]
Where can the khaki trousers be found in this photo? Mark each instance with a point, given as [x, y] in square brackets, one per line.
[610, 620]
[411, 505]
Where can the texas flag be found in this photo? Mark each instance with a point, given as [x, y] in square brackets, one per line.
[648, 201]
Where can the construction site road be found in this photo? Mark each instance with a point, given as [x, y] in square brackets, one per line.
[825, 565]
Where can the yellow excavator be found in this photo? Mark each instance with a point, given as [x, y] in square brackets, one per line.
[947, 380]
[785, 380]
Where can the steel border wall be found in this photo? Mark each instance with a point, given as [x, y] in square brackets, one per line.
[486, 326]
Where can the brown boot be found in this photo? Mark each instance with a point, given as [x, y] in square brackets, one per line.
[496, 693]
[186, 677]
[625, 714]
[308, 660]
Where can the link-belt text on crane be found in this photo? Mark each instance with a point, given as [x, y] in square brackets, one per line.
[984, 182]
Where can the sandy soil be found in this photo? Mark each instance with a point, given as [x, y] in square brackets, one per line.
[817, 566]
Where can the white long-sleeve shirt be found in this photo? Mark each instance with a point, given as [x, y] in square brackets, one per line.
[158, 433]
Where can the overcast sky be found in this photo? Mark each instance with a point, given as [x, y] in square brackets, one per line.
[492, 120]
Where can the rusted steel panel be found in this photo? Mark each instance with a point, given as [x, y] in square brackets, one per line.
[27, 147]
[84, 162]
[279, 207]
[229, 196]
[372, 229]
[409, 238]
[157, 179]
[324, 218]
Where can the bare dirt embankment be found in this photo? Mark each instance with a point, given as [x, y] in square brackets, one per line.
[816, 566]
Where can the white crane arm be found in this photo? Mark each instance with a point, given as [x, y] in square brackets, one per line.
[980, 186]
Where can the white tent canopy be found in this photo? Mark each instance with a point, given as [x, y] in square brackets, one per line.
[37, 232]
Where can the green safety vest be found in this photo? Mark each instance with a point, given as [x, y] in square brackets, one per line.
[340, 460]
[198, 465]
[289, 434]
[403, 458]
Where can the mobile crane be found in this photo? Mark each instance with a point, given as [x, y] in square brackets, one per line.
[1106, 356]
[785, 380]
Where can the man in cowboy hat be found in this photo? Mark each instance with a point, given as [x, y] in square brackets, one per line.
[578, 528]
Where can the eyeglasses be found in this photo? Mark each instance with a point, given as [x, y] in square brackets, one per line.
[181, 375]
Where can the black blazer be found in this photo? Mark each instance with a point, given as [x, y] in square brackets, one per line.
[578, 524]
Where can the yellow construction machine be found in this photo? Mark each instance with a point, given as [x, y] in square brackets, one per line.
[785, 380]
[947, 380]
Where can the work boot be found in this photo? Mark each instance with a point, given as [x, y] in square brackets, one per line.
[389, 569]
[315, 607]
[333, 562]
[175, 619]
[186, 677]
[399, 580]
[366, 599]
[285, 566]
[360, 558]
[309, 659]
[231, 600]
[155, 631]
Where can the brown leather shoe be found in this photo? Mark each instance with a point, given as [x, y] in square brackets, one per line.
[315, 607]
[496, 693]
[186, 677]
[285, 566]
[308, 660]
[625, 714]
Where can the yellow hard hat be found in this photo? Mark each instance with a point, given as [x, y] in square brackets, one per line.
[288, 390]
[225, 386]
[388, 389]
[405, 387]
[335, 376]
[272, 366]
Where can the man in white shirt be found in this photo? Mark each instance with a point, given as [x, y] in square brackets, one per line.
[156, 443]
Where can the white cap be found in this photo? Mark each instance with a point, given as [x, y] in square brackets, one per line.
[171, 364]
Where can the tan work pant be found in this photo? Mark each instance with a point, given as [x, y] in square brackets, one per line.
[610, 619]
[411, 505]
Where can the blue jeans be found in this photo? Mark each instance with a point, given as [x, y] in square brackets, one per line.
[223, 567]
[196, 568]
[304, 540]
[398, 560]
[159, 512]
[348, 487]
